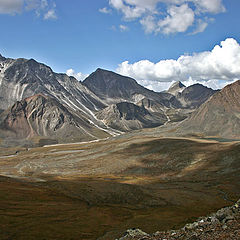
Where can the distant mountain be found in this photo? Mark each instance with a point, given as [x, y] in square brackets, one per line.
[114, 88]
[219, 116]
[127, 116]
[43, 116]
[22, 78]
[194, 95]
[176, 88]
[105, 100]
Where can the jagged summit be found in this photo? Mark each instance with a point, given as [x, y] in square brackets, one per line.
[176, 87]
[177, 84]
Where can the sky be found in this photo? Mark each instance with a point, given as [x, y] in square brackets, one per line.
[156, 42]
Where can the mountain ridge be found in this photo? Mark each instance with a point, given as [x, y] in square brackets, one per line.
[218, 116]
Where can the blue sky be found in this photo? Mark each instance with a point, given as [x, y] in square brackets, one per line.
[119, 34]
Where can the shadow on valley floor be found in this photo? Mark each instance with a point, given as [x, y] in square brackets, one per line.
[169, 182]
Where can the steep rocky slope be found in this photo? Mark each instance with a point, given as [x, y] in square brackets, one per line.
[167, 106]
[127, 116]
[21, 78]
[115, 88]
[219, 116]
[176, 88]
[43, 116]
[194, 96]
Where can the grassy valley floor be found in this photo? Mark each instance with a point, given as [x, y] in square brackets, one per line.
[98, 190]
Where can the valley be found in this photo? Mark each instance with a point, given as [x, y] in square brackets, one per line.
[97, 190]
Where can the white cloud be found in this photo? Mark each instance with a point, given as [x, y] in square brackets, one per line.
[105, 10]
[149, 24]
[179, 16]
[216, 66]
[179, 19]
[123, 28]
[79, 76]
[129, 11]
[50, 14]
[210, 6]
[11, 6]
[201, 26]
[44, 9]
[40, 7]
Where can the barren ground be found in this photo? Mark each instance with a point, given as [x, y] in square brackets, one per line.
[98, 190]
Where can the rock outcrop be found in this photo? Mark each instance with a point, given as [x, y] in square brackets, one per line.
[222, 225]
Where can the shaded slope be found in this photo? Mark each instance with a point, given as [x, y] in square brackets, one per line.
[195, 95]
[43, 116]
[219, 116]
[127, 116]
[116, 184]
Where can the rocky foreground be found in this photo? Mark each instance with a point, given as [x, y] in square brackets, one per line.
[222, 225]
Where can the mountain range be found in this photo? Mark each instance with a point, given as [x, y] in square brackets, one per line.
[37, 102]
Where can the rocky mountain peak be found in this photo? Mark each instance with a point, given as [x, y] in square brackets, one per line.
[114, 88]
[176, 87]
[101, 70]
[178, 84]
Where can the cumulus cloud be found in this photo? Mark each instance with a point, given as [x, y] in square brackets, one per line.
[79, 76]
[179, 19]
[149, 24]
[213, 68]
[40, 7]
[168, 16]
